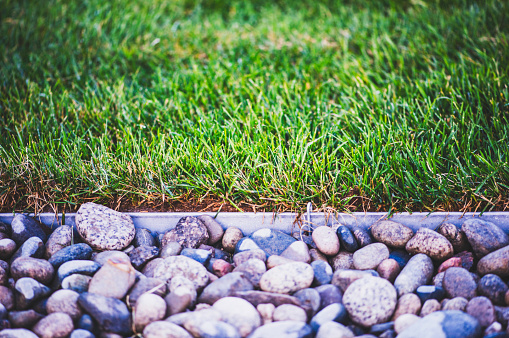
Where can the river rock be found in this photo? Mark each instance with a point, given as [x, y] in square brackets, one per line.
[334, 329]
[444, 324]
[289, 312]
[29, 291]
[273, 242]
[244, 256]
[309, 300]
[343, 278]
[297, 251]
[103, 228]
[102, 257]
[496, 263]
[215, 230]
[111, 314]
[334, 312]
[239, 313]
[458, 282]
[346, 239]
[224, 287]
[430, 243]
[7, 297]
[326, 240]
[154, 285]
[430, 306]
[342, 261]
[287, 278]
[164, 329]
[183, 266]
[493, 287]
[170, 249]
[7, 248]
[317, 255]
[362, 236]
[329, 294]
[261, 297]
[246, 244]
[404, 321]
[484, 236]
[24, 319]
[60, 238]
[32, 247]
[276, 260]
[253, 269]
[322, 271]
[417, 272]
[231, 237]
[65, 301]
[370, 301]
[408, 303]
[481, 309]
[189, 232]
[216, 329]
[38, 269]
[370, 256]
[82, 267]
[54, 325]
[388, 269]
[457, 303]
[113, 279]
[76, 282]
[142, 254]
[288, 328]
[455, 236]
[149, 308]
[80, 333]
[425, 292]
[143, 237]
[24, 227]
[392, 234]
[79, 251]
[17, 333]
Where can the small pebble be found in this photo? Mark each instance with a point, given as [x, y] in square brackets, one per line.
[289, 312]
[231, 237]
[326, 240]
[149, 308]
[54, 325]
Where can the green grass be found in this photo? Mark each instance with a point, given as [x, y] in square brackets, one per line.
[351, 105]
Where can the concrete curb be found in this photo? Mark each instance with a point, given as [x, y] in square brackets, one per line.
[249, 222]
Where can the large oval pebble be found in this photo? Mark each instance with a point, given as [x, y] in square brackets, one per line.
[287, 278]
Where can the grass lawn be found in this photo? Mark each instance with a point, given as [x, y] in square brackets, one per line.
[351, 105]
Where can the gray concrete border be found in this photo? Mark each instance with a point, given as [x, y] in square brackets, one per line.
[249, 222]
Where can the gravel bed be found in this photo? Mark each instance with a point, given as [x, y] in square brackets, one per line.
[107, 278]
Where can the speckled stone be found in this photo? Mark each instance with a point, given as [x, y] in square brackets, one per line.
[111, 314]
[288, 328]
[388, 269]
[149, 308]
[32, 247]
[370, 301]
[76, 282]
[170, 249]
[7, 248]
[343, 260]
[113, 279]
[103, 228]
[275, 260]
[261, 297]
[455, 236]
[153, 285]
[287, 278]
[289, 312]
[143, 237]
[323, 272]
[216, 329]
[329, 294]
[103, 257]
[82, 267]
[496, 263]
[438, 279]
[80, 251]
[430, 243]
[189, 232]
[297, 251]
[246, 244]
[65, 301]
[458, 282]
[231, 237]
[220, 267]
[362, 236]
[346, 239]
[444, 324]
[214, 229]
[24, 227]
[244, 256]
[183, 266]
[481, 309]
[404, 321]
[239, 313]
[326, 240]
[334, 312]
[392, 234]
[457, 303]
[417, 272]
[400, 256]
[370, 256]
[273, 242]
[408, 303]
[317, 255]
[54, 325]
[59, 239]
[224, 287]
[164, 329]
[430, 306]
[253, 269]
[485, 237]
[333, 329]
[343, 278]
[309, 299]
[493, 287]
[38, 269]
[451, 262]
[141, 255]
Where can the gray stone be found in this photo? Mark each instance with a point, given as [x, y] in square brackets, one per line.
[179, 300]
[170, 249]
[333, 329]
[244, 256]
[484, 236]
[32, 247]
[82, 267]
[231, 237]
[343, 260]
[276, 260]
[362, 236]
[457, 303]
[266, 312]
[7, 297]
[153, 285]
[199, 255]
[24, 319]
[224, 287]
[174, 266]
[163, 329]
[141, 255]
[309, 300]
[370, 301]
[111, 314]
[7, 248]
[444, 324]
[189, 232]
[329, 294]
[17, 333]
[392, 234]
[271, 241]
[297, 251]
[289, 328]
[4, 272]
[80, 333]
[322, 271]
[38, 269]
[65, 301]
[24, 227]
[215, 230]
[103, 228]
[239, 313]
[253, 269]
[61, 237]
[149, 308]
[438, 279]
[143, 237]
[343, 278]
[113, 279]
[246, 244]
[481, 309]
[86, 323]
[458, 282]
[28, 291]
[404, 321]
[260, 297]
[430, 243]
[54, 325]
[335, 312]
[496, 262]
[370, 256]
[217, 329]
[455, 236]
[326, 240]
[79, 251]
[493, 287]
[289, 312]
[407, 304]
[430, 306]
[346, 239]
[76, 282]
[417, 272]
[287, 278]
[103, 257]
